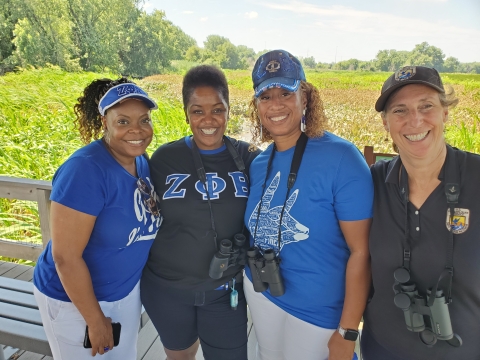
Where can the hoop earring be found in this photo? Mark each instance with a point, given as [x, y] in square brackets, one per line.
[303, 126]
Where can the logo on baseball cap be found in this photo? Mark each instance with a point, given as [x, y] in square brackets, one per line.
[277, 68]
[409, 75]
[121, 92]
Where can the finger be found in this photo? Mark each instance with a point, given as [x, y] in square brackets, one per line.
[270, 192]
[291, 200]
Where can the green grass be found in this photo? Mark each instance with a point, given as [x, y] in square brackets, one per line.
[37, 130]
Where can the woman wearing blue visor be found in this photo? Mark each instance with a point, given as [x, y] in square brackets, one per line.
[309, 214]
[104, 218]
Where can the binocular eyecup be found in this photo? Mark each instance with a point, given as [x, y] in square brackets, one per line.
[431, 322]
[229, 254]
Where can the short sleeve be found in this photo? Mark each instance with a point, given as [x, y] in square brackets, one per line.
[353, 190]
[80, 185]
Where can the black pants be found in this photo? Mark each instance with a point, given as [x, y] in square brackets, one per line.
[372, 350]
[183, 316]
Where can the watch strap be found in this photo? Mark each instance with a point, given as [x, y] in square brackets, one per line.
[348, 334]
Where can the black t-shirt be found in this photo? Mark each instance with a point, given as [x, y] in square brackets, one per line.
[429, 237]
[184, 246]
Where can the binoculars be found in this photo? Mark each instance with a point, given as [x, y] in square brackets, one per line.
[265, 271]
[431, 322]
[229, 254]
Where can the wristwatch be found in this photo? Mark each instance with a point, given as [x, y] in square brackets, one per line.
[348, 334]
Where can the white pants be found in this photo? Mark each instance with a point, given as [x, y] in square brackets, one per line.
[65, 326]
[282, 336]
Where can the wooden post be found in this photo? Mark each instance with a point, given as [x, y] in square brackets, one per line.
[43, 198]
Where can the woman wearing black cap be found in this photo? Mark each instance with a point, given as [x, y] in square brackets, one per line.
[104, 218]
[308, 213]
[424, 235]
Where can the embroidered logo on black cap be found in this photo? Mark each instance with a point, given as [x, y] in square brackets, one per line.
[273, 66]
[405, 73]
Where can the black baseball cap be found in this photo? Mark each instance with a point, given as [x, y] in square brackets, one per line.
[277, 68]
[406, 76]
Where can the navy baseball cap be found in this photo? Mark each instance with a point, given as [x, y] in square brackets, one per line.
[121, 92]
[406, 76]
[277, 68]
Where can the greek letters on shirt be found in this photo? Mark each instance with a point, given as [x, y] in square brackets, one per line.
[149, 222]
[215, 186]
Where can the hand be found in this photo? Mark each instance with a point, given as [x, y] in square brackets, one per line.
[339, 348]
[101, 335]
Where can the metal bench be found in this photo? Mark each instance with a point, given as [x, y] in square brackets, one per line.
[20, 323]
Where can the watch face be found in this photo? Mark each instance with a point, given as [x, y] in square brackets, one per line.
[351, 335]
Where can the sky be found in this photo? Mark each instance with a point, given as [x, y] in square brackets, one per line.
[332, 30]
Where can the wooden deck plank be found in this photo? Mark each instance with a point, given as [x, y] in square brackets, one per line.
[8, 351]
[25, 355]
[147, 336]
[156, 351]
[27, 275]
[16, 271]
[6, 266]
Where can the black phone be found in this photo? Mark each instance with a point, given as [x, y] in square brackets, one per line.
[116, 328]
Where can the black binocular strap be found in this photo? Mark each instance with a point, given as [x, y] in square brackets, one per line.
[292, 177]
[203, 176]
[452, 193]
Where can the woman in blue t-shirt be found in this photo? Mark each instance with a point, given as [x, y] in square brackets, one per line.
[308, 305]
[104, 217]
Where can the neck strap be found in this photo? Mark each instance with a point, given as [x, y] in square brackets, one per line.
[452, 194]
[197, 159]
[292, 177]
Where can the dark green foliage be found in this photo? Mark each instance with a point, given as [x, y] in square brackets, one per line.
[91, 35]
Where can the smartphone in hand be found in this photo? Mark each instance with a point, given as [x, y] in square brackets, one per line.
[116, 328]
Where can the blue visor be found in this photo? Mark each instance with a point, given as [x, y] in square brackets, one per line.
[121, 92]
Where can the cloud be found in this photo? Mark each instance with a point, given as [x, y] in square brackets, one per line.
[187, 12]
[359, 33]
[346, 19]
[203, 19]
[147, 5]
[251, 15]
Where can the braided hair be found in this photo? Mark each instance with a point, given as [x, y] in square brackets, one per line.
[88, 119]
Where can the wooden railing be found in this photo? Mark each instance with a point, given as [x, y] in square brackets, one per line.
[31, 190]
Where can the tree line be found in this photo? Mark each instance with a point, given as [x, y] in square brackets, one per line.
[390, 60]
[120, 36]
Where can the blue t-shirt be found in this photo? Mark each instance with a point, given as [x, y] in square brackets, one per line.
[333, 183]
[93, 182]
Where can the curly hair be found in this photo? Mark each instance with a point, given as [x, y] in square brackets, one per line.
[316, 120]
[204, 75]
[88, 119]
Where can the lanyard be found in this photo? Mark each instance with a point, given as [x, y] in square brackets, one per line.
[292, 177]
[203, 176]
[452, 193]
